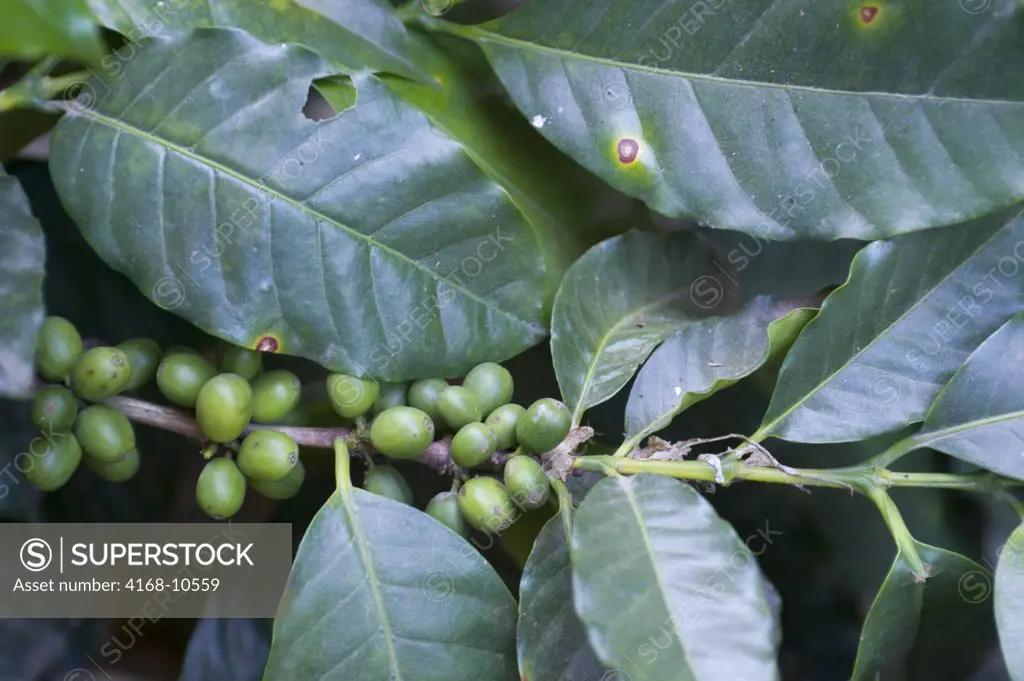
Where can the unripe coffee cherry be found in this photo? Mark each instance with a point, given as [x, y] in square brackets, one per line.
[101, 373]
[117, 471]
[224, 407]
[391, 395]
[526, 483]
[53, 459]
[424, 395]
[54, 409]
[351, 396]
[503, 422]
[459, 406]
[473, 444]
[544, 425]
[220, 489]
[104, 433]
[274, 394]
[401, 432]
[267, 455]
[491, 383]
[58, 348]
[387, 482]
[182, 375]
[143, 357]
[444, 508]
[285, 488]
[485, 505]
[242, 361]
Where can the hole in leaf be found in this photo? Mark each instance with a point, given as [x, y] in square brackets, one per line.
[328, 97]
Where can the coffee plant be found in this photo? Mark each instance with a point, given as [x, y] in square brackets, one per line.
[619, 340]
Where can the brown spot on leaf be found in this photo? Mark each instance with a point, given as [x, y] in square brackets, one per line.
[628, 150]
[267, 344]
[868, 13]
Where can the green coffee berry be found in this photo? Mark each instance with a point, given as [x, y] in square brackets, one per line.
[491, 383]
[473, 444]
[220, 489]
[544, 425]
[224, 407]
[58, 348]
[459, 406]
[387, 482]
[52, 460]
[391, 395]
[182, 375]
[401, 432]
[143, 357]
[424, 395]
[274, 394]
[485, 505]
[116, 471]
[503, 422]
[351, 396]
[267, 455]
[101, 373]
[242, 361]
[104, 433]
[285, 488]
[444, 508]
[54, 409]
[526, 482]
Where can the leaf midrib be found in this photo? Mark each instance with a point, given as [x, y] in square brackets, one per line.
[171, 146]
[478, 33]
[926, 438]
[362, 548]
[579, 410]
[766, 428]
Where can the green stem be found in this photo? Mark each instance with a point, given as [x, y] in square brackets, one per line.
[34, 91]
[900, 533]
[342, 477]
[895, 452]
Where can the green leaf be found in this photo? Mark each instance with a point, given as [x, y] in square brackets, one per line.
[359, 35]
[551, 643]
[222, 649]
[22, 253]
[380, 590]
[1009, 603]
[644, 286]
[665, 587]
[745, 130]
[979, 415]
[951, 611]
[778, 286]
[371, 242]
[707, 356]
[32, 29]
[888, 340]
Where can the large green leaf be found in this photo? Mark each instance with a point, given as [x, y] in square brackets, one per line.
[666, 589]
[380, 590]
[618, 301]
[551, 642]
[887, 341]
[707, 355]
[1009, 603]
[372, 242]
[979, 415]
[359, 35]
[22, 253]
[38, 28]
[951, 611]
[779, 117]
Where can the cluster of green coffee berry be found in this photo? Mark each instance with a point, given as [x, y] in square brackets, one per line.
[479, 412]
[225, 404]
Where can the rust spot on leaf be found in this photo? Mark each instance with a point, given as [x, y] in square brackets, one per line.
[868, 13]
[628, 150]
[267, 344]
